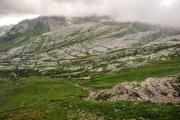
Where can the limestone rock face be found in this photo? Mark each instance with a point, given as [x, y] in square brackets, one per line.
[93, 44]
[160, 90]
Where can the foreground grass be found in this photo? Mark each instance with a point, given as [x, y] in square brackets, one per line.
[53, 99]
[154, 69]
[32, 97]
[126, 110]
[40, 98]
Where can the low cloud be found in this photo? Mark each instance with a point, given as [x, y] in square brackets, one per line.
[164, 12]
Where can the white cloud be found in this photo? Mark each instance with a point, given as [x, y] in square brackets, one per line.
[153, 11]
[7, 20]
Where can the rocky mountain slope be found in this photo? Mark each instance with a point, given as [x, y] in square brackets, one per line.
[75, 47]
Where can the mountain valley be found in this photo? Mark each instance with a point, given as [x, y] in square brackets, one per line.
[84, 68]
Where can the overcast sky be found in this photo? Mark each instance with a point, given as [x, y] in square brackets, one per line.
[152, 11]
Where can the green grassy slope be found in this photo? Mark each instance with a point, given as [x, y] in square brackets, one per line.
[52, 99]
[40, 98]
[154, 69]
[16, 41]
[32, 98]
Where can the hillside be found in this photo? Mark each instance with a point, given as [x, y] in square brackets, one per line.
[55, 61]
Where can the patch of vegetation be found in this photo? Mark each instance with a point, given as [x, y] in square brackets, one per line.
[153, 69]
[44, 98]
[112, 23]
[142, 27]
[122, 34]
[20, 39]
[16, 74]
[79, 38]
[124, 110]
[33, 97]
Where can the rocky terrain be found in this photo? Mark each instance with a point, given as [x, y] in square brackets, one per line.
[54, 45]
[159, 90]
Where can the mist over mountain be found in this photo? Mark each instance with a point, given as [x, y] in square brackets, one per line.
[163, 12]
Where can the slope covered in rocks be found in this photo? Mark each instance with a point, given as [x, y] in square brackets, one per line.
[70, 47]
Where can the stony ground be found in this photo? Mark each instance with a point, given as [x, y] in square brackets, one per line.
[73, 48]
[159, 90]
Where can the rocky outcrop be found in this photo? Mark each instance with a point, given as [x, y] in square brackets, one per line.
[158, 90]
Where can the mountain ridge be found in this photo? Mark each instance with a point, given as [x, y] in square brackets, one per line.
[46, 43]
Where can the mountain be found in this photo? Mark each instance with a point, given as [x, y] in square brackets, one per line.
[94, 68]
[44, 24]
[73, 47]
